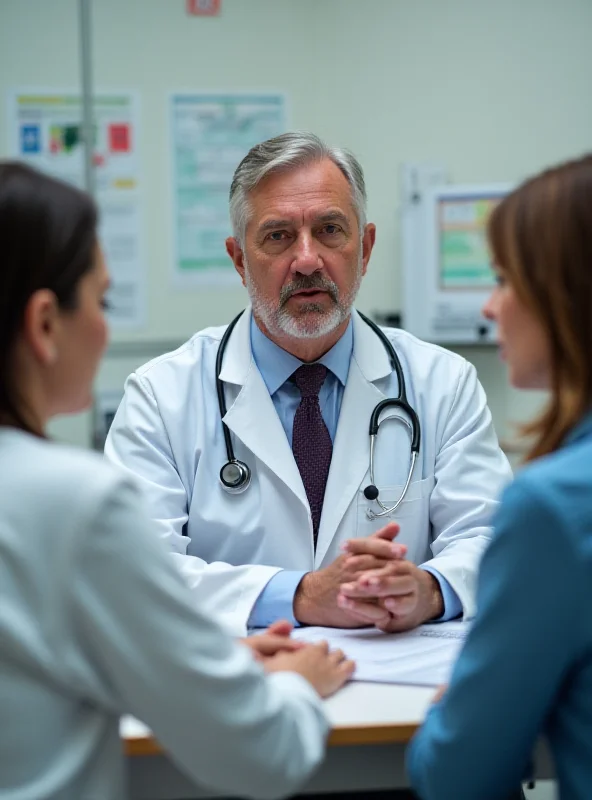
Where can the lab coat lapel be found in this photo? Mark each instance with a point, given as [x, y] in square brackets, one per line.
[351, 448]
[252, 417]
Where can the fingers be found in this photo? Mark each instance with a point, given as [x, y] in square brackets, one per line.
[375, 546]
[267, 645]
[344, 666]
[322, 647]
[370, 613]
[401, 606]
[392, 580]
[363, 563]
[336, 656]
[346, 669]
[390, 530]
[280, 628]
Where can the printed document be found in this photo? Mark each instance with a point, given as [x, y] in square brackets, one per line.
[423, 657]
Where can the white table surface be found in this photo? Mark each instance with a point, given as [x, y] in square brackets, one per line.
[357, 704]
[372, 723]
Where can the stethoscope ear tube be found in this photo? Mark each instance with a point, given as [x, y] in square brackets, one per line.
[402, 405]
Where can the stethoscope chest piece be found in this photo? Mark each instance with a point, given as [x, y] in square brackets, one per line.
[235, 476]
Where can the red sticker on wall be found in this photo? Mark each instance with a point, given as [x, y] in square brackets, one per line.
[119, 138]
[204, 8]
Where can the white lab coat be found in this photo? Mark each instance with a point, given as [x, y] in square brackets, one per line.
[167, 432]
[95, 622]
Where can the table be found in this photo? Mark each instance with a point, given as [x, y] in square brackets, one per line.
[371, 725]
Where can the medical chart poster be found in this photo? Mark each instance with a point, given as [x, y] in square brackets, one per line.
[210, 135]
[45, 132]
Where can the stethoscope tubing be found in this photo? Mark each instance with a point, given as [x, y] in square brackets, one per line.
[234, 467]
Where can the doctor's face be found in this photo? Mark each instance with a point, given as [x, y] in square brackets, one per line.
[522, 339]
[303, 257]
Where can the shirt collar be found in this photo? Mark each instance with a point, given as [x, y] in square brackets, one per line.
[276, 365]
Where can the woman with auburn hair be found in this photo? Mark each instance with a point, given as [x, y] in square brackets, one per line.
[526, 668]
[87, 630]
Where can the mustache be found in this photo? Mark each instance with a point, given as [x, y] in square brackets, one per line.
[309, 282]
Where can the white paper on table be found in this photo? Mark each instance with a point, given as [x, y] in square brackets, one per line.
[423, 657]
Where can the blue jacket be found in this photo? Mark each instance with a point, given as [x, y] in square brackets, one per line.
[526, 668]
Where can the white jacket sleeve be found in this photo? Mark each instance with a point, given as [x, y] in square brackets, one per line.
[138, 442]
[150, 652]
[471, 471]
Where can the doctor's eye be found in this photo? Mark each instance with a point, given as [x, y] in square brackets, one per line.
[331, 229]
[277, 236]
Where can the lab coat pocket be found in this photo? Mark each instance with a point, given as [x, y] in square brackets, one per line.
[413, 515]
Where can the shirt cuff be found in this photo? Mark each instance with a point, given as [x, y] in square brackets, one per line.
[452, 605]
[276, 601]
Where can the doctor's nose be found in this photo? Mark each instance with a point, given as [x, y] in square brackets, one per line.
[306, 258]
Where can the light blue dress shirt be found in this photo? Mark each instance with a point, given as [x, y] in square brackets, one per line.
[276, 366]
[526, 668]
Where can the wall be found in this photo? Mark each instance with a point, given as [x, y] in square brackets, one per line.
[493, 90]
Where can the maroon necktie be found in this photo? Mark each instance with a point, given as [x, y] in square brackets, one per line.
[311, 442]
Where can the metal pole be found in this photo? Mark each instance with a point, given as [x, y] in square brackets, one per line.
[84, 9]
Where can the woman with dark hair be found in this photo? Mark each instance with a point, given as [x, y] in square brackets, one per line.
[87, 630]
[526, 669]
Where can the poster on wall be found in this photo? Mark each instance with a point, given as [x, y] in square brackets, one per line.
[210, 134]
[45, 131]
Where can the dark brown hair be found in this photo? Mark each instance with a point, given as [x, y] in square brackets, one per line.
[541, 237]
[47, 241]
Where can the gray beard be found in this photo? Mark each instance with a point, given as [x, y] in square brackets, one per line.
[312, 320]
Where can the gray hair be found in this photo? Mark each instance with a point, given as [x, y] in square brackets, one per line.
[285, 152]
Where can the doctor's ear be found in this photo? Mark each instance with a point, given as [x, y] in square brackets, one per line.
[235, 252]
[368, 239]
[41, 323]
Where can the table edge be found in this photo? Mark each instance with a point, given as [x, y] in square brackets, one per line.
[340, 735]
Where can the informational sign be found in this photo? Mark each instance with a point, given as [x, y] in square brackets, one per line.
[447, 268]
[45, 131]
[210, 134]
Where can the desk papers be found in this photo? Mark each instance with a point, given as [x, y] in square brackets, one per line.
[423, 657]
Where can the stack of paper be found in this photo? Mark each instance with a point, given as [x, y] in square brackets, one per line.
[424, 656]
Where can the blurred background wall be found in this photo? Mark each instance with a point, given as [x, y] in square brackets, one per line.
[492, 89]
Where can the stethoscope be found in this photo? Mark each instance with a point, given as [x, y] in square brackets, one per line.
[235, 475]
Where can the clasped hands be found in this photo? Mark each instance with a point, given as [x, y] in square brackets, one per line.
[372, 583]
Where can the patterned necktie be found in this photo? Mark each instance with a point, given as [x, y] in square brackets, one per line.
[311, 441]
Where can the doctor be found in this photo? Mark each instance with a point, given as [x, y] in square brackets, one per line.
[300, 375]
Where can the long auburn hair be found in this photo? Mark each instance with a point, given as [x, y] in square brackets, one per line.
[541, 236]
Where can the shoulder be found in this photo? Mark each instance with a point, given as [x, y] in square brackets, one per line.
[548, 507]
[558, 486]
[424, 357]
[440, 377]
[63, 477]
[411, 344]
[186, 356]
